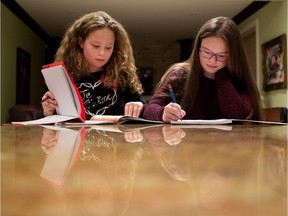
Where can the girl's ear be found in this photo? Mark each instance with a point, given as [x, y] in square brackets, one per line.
[80, 42]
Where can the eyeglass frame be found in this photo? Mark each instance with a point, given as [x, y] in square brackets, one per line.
[211, 54]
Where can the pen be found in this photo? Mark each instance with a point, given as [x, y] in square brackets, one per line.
[172, 93]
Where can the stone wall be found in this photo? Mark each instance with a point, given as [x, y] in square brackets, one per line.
[157, 55]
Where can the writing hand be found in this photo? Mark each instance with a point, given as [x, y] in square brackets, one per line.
[172, 112]
[133, 108]
[49, 103]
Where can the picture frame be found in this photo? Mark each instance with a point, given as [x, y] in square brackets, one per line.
[274, 64]
[23, 67]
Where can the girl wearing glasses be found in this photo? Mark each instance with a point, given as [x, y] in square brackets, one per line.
[215, 82]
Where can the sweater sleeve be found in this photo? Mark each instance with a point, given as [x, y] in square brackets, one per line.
[155, 108]
[234, 101]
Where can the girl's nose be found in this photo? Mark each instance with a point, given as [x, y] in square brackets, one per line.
[101, 52]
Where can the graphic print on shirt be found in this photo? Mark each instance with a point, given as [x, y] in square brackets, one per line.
[94, 140]
[96, 98]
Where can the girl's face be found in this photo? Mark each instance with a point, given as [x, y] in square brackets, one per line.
[98, 48]
[213, 55]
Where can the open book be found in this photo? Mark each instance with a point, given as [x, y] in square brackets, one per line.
[120, 119]
[65, 154]
[62, 86]
[95, 120]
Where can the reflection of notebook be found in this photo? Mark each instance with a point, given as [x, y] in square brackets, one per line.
[220, 127]
[64, 155]
[124, 128]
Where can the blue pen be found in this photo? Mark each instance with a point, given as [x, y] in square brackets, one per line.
[172, 93]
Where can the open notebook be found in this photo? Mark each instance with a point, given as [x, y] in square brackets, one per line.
[220, 122]
[62, 86]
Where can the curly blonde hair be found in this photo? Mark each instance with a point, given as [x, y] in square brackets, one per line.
[119, 69]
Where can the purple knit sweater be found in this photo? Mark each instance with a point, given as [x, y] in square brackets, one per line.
[219, 98]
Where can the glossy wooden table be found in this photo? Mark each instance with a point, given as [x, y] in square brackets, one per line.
[162, 170]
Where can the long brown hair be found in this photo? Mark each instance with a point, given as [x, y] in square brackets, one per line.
[121, 66]
[225, 28]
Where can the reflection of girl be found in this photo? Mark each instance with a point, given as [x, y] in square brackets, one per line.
[102, 180]
[111, 170]
[166, 143]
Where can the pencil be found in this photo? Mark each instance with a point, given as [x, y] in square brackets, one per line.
[172, 93]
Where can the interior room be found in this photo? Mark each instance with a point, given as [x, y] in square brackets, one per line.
[31, 32]
[108, 165]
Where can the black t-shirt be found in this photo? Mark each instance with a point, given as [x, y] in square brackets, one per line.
[99, 100]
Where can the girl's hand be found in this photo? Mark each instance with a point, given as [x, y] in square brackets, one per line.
[172, 112]
[49, 104]
[133, 109]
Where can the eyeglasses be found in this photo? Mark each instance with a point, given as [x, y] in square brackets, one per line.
[208, 54]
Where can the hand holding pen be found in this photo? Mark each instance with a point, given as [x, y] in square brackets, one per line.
[173, 110]
[49, 104]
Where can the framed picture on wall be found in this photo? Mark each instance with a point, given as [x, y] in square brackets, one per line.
[274, 63]
[23, 77]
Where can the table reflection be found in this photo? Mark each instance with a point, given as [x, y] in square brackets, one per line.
[145, 170]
